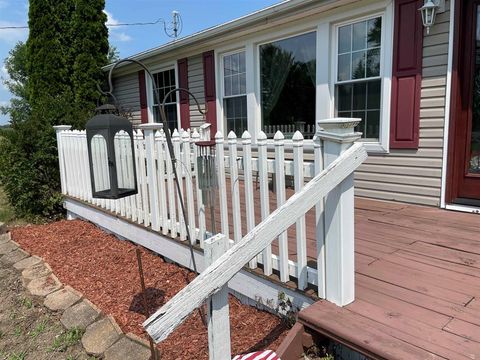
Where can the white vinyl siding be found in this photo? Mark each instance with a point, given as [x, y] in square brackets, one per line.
[127, 92]
[196, 86]
[414, 176]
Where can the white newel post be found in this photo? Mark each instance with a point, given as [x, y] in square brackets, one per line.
[338, 135]
[149, 131]
[61, 159]
[217, 305]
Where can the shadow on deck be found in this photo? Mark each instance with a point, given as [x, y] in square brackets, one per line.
[417, 285]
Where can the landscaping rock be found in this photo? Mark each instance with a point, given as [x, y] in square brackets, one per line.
[99, 336]
[13, 257]
[7, 247]
[44, 285]
[27, 262]
[62, 299]
[127, 349]
[80, 315]
[3, 228]
[36, 271]
[4, 238]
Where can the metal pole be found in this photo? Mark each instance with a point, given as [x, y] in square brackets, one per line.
[153, 351]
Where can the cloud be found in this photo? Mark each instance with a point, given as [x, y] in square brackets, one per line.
[4, 76]
[11, 36]
[122, 36]
[110, 19]
[115, 32]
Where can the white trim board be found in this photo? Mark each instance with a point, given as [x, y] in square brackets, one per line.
[246, 283]
[463, 208]
[448, 101]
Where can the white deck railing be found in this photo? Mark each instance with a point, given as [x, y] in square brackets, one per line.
[210, 284]
[240, 177]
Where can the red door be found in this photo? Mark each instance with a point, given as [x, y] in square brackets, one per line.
[465, 160]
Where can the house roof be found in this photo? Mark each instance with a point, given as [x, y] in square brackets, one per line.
[263, 15]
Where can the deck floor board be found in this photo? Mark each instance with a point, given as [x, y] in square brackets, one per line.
[417, 281]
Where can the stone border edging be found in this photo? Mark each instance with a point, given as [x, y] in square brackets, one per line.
[102, 337]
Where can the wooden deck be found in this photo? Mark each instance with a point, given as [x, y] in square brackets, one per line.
[417, 285]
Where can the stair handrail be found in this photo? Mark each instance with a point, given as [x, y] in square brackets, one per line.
[213, 278]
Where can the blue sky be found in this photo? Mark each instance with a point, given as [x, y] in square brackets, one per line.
[196, 15]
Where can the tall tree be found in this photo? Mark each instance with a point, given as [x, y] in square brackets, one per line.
[90, 49]
[49, 60]
[16, 83]
[54, 78]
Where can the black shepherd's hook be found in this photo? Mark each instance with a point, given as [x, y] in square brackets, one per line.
[168, 137]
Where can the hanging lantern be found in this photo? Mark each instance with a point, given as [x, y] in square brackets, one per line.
[429, 12]
[111, 155]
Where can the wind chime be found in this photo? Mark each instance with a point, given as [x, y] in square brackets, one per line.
[207, 177]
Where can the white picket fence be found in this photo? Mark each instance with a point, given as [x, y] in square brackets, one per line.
[157, 205]
[335, 185]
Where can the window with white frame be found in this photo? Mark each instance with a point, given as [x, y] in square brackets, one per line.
[234, 92]
[165, 82]
[358, 81]
[287, 85]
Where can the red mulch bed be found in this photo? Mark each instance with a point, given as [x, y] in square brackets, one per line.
[105, 270]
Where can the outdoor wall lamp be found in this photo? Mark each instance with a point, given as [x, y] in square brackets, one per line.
[429, 11]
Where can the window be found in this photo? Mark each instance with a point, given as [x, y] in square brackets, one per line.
[234, 93]
[358, 84]
[287, 85]
[164, 82]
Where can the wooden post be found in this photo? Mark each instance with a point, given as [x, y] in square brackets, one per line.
[222, 185]
[149, 130]
[247, 172]
[187, 169]
[162, 192]
[235, 186]
[338, 135]
[200, 204]
[319, 220]
[279, 143]
[264, 196]
[300, 227]
[217, 305]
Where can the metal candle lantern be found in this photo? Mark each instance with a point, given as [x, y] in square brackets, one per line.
[207, 176]
[111, 154]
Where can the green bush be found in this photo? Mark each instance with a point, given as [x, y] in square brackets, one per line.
[29, 171]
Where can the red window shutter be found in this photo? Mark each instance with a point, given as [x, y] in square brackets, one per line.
[184, 98]
[209, 87]
[143, 96]
[406, 75]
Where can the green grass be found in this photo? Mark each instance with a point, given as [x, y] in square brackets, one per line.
[18, 331]
[27, 302]
[19, 356]
[66, 339]
[39, 329]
